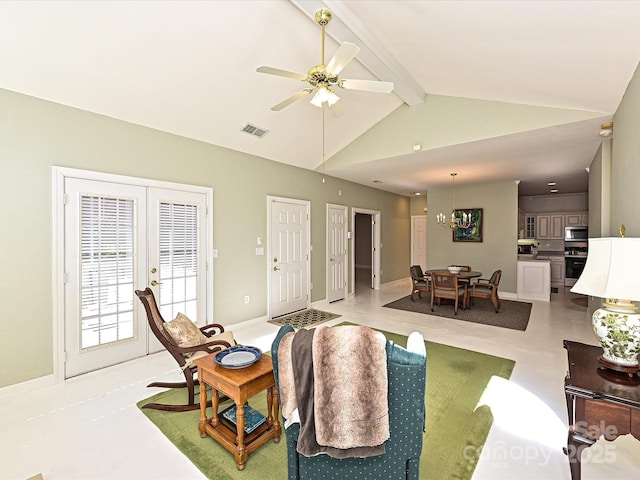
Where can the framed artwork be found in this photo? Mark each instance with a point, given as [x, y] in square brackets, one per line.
[473, 233]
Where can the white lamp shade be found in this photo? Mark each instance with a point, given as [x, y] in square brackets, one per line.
[324, 94]
[612, 269]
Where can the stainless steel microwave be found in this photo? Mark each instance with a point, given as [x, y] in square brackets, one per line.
[573, 234]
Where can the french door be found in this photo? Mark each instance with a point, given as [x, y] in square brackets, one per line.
[119, 238]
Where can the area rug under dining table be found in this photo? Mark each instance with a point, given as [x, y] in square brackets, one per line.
[512, 314]
[455, 426]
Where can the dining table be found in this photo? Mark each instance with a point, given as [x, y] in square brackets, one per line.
[466, 275]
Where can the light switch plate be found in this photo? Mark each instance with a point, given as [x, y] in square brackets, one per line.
[260, 251]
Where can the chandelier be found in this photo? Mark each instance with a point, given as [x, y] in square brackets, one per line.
[462, 221]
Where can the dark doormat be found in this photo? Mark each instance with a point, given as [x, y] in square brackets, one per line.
[304, 319]
[512, 314]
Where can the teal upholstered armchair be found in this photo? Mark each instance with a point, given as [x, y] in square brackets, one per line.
[406, 372]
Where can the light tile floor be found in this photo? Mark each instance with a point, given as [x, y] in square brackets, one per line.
[90, 428]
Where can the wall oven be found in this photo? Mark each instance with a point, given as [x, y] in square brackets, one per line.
[575, 258]
[573, 267]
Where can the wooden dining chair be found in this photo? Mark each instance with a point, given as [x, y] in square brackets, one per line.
[447, 285]
[487, 288]
[419, 282]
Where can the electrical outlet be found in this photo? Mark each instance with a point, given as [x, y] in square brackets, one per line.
[246, 299]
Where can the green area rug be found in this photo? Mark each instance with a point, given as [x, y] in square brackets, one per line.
[456, 379]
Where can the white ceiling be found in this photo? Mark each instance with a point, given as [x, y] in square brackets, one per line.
[189, 68]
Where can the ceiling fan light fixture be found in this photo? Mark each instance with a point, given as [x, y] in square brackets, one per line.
[606, 130]
[324, 94]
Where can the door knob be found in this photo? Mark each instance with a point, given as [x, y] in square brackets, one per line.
[275, 269]
[154, 283]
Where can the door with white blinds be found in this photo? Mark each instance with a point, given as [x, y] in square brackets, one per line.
[119, 238]
[177, 246]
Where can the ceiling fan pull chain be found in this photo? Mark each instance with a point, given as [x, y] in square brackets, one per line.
[323, 180]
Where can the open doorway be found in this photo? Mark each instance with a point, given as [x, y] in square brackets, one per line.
[366, 250]
[362, 248]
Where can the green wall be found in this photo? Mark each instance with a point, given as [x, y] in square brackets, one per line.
[625, 165]
[444, 121]
[36, 135]
[497, 250]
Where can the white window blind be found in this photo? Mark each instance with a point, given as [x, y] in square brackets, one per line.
[178, 260]
[107, 270]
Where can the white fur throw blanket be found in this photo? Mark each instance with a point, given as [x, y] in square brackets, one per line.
[337, 378]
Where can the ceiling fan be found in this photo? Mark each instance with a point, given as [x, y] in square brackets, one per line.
[322, 78]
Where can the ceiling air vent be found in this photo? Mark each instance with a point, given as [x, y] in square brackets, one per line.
[255, 131]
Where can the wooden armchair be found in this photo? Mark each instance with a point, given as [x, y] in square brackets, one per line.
[446, 285]
[484, 288]
[419, 283]
[215, 338]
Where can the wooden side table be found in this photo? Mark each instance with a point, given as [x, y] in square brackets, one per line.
[239, 385]
[599, 402]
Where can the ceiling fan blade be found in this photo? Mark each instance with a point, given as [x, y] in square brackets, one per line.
[342, 57]
[336, 109]
[367, 85]
[282, 73]
[291, 99]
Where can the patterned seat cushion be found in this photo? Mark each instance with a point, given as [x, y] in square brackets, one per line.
[184, 332]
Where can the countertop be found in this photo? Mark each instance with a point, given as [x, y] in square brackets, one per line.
[541, 253]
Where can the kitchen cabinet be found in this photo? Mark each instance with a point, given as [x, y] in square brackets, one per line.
[534, 280]
[577, 219]
[573, 219]
[556, 266]
[529, 226]
[557, 272]
[585, 219]
[557, 227]
[543, 228]
[550, 226]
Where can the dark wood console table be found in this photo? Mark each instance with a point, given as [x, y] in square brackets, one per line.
[599, 402]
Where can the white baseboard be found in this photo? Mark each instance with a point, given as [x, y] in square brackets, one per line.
[400, 281]
[28, 386]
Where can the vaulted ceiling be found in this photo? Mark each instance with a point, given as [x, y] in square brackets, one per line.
[493, 90]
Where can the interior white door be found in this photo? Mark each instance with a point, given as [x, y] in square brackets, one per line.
[419, 241]
[105, 258]
[289, 253]
[336, 252]
[119, 238]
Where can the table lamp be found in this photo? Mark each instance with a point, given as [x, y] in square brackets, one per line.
[612, 272]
